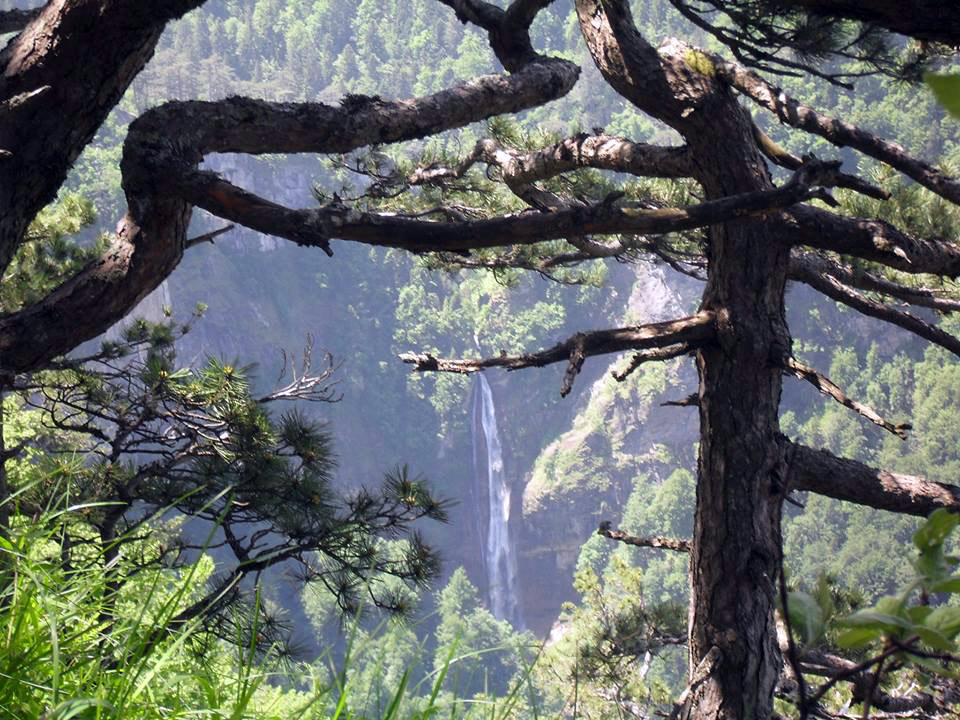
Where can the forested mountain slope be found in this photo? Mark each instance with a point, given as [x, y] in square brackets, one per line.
[609, 451]
[371, 304]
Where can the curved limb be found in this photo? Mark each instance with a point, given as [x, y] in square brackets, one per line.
[838, 132]
[691, 332]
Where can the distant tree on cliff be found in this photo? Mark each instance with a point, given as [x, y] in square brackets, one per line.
[757, 237]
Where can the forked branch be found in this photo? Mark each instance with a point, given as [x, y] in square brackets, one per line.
[653, 355]
[508, 30]
[306, 383]
[855, 277]
[691, 332]
[827, 387]
[150, 240]
[838, 132]
[523, 12]
[779, 155]
[831, 286]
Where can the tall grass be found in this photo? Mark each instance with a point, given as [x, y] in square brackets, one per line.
[406, 704]
[72, 648]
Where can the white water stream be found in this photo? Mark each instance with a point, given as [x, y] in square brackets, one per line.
[499, 557]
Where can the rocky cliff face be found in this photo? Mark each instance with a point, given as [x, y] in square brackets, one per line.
[265, 296]
[569, 464]
[618, 433]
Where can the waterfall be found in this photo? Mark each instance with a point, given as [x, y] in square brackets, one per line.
[499, 556]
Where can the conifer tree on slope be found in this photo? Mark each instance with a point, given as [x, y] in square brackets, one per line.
[101, 448]
[74, 58]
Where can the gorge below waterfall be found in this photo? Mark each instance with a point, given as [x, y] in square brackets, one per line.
[490, 481]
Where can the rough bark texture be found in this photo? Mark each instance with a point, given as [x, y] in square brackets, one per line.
[825, 474]
[856, 277]
[656, 542]
[600, 151]
[161, 154]
[44, 79]
[736, 542]
[827, 387]
[693, 331]
[603, 152]
[735, 554]
[830, 285]
[869, 239]
[840, 133]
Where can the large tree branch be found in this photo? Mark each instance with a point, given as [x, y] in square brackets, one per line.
[246, 125]
[779, 155]
[832, 287]
[520, 171]
[693, 331]
[317, 227]
[838, 132]
[477, 12]
[165, 145]
[855, 277]
[524, 12]
[508, 30]
[826, 474]
[659, 543]
[827, 665]
[603, 152]
[631, 65]
[653, 355]
[827, 387]
[150, 239]
[873, 240]
[48, 73]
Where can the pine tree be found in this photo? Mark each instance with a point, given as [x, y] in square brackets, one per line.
[753, 237]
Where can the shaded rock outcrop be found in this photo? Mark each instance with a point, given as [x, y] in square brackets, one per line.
[617, 434]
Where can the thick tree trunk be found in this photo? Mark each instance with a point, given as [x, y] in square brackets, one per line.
[736, 541]
[735, 555]
[49, 73]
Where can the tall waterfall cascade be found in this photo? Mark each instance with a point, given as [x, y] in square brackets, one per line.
[499, 556]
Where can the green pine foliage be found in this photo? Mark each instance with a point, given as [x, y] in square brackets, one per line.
[278, 467]
[51, 252]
